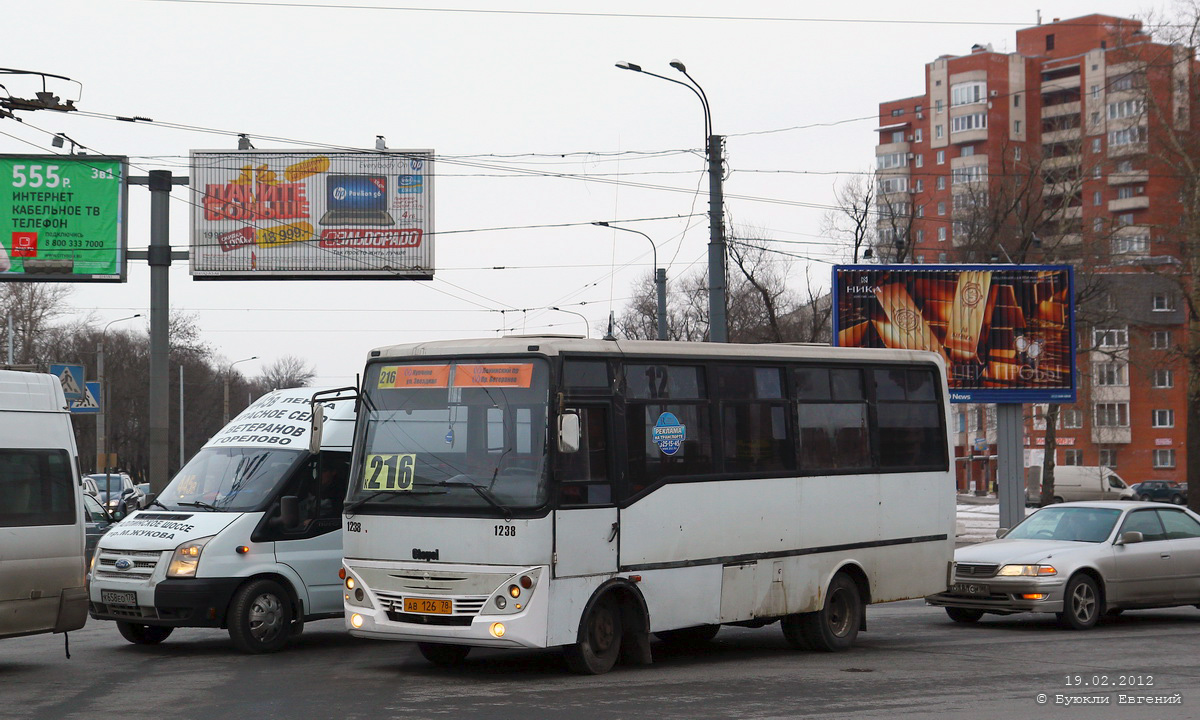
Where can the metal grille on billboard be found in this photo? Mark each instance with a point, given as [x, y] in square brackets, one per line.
[1006, 332]
[312, 215]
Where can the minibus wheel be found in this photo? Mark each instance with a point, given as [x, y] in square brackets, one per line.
[260, 617]
[599, 639]
[143, 634]
[834, 627]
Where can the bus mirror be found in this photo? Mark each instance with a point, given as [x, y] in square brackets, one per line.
[318, 422]
[568, 432]
[289, 512]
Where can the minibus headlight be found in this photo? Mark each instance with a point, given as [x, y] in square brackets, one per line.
[187, 557]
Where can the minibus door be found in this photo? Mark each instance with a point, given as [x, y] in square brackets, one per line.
[586, 524]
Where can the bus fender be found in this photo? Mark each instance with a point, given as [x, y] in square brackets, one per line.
[635, 619]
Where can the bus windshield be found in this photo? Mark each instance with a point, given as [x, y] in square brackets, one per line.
[237, 479]
[454, 436]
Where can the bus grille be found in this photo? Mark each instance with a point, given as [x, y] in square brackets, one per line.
[464, 609]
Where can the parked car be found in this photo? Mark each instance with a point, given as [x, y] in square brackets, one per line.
[1079, 482]
[1080, 561]
[98, 521]
[1160, 491]
[113, 488]
[89, 486]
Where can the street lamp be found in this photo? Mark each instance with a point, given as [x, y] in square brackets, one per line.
[585, 320]
[660, 279]
[718, 326]
[228, 372]
[101, 429]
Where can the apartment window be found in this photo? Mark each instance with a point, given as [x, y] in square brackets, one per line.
[1050, 41]
[1110, 337]
[966, 151]
[1163, 378]
[917, 135]
[1127, 191]
[1095, 91]
[919, 108]
[962, 422]
[941, 155]
[1125, 219]
[1163, 419]
[937, 105]
[939, 132]
[1070, 418]
[919, 160]
[1095, 145]
[891, 160]
[941, 182]
[1164, 458]
[1162, 302]
[1096, 118]
[1072, 457]
[1096, 172]
[1160, 340]
[1124, 166]
[967, 93]
[941, 234]
[1097, 225]
[1109, 373]
[920, 211]
[921, 235]
[971, 174]
[1130, 244]
[898, 136]
[897, 112]
[1016, 101]
[974, 121]
[920, 186]
[1125, 108]
[1016, 126]
[1096, 198]
[1112, 414]
[1127, 136]
[942, 257]
[941, 208]
[1016, 153]
[1123, 82]
[1108, 457]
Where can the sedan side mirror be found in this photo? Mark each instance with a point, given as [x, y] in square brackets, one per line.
[1001, 532]
[1130, 537]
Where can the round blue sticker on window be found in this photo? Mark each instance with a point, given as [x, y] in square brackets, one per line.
[668, 433]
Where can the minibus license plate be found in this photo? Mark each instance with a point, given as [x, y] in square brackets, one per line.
[971, 589]
[113, 597]
[428, 606]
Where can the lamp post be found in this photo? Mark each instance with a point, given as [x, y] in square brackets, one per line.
[228, 372]
[585, 320]
[660, 279]
[718, 325]
[101, 428]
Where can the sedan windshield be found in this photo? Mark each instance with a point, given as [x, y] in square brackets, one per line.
[106, 484]
[230, 478]
[1072, 524]
[454, 436]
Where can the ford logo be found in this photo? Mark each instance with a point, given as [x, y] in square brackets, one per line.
[123, 564]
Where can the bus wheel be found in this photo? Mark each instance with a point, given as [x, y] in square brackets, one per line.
[793, 631]
[260, 617]
[599, 639]
[143, 634]
[684, 637]
[834, 627]
[444, 655]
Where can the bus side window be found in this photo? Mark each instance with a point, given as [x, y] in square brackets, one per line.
[584, 474]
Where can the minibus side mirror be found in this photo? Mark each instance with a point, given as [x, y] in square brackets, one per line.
[289, 511]
[318, 423]
[568, 432]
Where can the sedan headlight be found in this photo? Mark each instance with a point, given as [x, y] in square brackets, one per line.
[187, 557]
[1027, 571]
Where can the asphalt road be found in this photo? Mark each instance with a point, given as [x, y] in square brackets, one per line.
[912, 663]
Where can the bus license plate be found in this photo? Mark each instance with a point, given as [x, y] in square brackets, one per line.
[114, 597]
[428, 606]
[971, 589]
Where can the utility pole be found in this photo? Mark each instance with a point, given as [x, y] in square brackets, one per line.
[717, 321]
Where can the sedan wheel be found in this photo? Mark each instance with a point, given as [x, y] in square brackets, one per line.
[1081, 605]
[1178, 499]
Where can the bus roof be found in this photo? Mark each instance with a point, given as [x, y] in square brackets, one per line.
[561, 344]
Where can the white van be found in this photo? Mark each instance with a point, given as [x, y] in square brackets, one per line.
[247, 536]
[41, 509]
[1080, 482]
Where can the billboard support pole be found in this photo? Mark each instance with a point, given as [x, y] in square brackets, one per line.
[1010, 446]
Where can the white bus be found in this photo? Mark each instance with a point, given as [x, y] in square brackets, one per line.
[41, 509]
[548, 491]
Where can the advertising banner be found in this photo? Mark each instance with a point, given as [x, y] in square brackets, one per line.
[312, 215]
[62, 218]
[1006, 332]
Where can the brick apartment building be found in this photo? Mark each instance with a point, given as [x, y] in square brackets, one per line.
[1047, 154]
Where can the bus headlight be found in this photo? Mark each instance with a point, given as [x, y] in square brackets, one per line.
[187, 558]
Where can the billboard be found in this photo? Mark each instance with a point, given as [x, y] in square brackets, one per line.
[62, 218]
[1005, 331]
[312, 215]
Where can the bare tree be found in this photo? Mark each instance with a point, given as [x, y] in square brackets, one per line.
[34, 308]
[286, 372]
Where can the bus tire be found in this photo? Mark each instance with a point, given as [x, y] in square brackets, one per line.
[443, 655]
[793, 631]
[260, 617]
[834, 627]
[685, 637]
[599, 642]
[143, 634]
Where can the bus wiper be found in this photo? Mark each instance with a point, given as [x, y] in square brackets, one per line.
[200, 504]
[349, 509]
[481, 491]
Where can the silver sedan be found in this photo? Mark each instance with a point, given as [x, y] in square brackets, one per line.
[1080, 560]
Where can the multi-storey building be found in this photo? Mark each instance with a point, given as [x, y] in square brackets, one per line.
[1050, 154]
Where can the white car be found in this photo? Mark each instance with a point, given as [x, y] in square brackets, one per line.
[115, 489]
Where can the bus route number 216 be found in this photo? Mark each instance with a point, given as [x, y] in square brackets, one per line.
[390, 472]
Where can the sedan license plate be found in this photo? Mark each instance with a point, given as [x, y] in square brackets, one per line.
[428, 606]
[115, 597]
[971, 589]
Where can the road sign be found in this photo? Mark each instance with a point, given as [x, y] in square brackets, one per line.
[89, 404]
[72, 379]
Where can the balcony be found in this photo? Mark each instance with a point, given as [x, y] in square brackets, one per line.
[1068, 213]
[1138, 202]
[1066, 187]
[1067, 108]
[1071, 82]
[968, 136]
[1130, 176]
[1061, 161]
[1127, 149]
[1058, 136]
[1112, 435]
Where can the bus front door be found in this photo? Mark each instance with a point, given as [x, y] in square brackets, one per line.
[586, 525]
